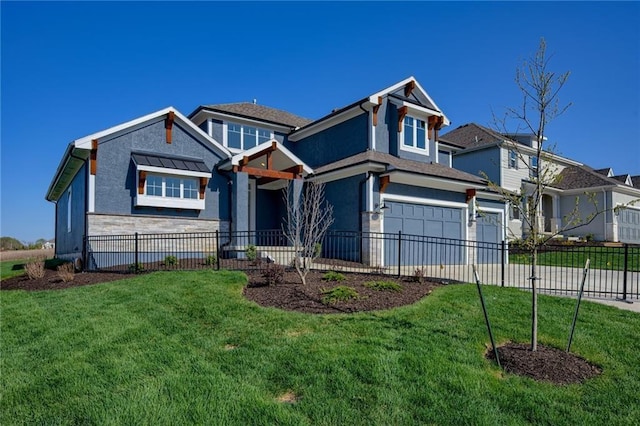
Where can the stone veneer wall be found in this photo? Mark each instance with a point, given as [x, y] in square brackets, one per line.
[106, 224]
[371, 247]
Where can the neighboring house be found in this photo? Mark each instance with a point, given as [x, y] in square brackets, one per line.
[48, 245]
[510, 161]
[223, 166]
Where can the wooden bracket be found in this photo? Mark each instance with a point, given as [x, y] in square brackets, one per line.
[93, 164]
[375, 111]
[402, 112]
[203, 187]
[471, 192]
[168, 125]
[434, 123]
[408, 88]
[384, 182]
[141, 179]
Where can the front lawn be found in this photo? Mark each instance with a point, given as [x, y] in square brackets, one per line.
[186, 347]
[608, 258]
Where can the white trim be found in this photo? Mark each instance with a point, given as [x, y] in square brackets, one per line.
[210, 127]
[235, 160]
[370, 179]
[372, 132]
[168, 202]
[224, 117]
[172, 172]
[347, 172]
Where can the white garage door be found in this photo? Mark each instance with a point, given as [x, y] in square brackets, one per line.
[629, 226]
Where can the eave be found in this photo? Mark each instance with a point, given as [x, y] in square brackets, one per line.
[71, 163]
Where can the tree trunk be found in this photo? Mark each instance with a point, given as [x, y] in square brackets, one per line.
[534, 300]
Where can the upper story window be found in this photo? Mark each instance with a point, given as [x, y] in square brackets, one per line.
[414, 135]
[245, 137]
[533, 167]
[513, 159]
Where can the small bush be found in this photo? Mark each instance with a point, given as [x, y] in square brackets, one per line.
[251, 252]
[383, 285]
[66, 272]
[171, 261]
[132, 268]
[333, 276]
[211, 260]
[317, 249]
[341, 293]
[35, 269]
[273, 274]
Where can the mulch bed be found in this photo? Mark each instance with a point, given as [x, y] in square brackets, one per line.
[292, 296]
[546, 364]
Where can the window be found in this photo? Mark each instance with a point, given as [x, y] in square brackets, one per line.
[69, 210]
[171, 187]
[514, 212]
[414, 135]
[533, 169]
[246, 137]
[513, 159]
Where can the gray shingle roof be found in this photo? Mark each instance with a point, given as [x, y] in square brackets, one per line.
[260, 112]
[578, 177]
[176, 163]
[621, 178]
[472, 135]
[636, 181]
[604, 171]
[429, 169]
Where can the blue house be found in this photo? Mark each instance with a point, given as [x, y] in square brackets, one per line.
[223, 166]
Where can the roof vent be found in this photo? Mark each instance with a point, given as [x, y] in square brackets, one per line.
[255, 101]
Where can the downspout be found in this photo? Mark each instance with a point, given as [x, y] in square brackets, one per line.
[604, 197]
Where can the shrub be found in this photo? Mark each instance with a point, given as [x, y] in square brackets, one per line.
[383, 285]
[340, 293]
[211, 260]
[251, 252]
[136, 268]
[171, 261]
[317, 249]
[35, 269]
[66, 272]
[333, 276]
[273, 274]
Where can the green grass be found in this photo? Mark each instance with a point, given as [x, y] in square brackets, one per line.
[186, 347]
[609, 258]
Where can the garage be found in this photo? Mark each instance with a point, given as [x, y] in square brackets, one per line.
[418, 223]
[488, 235]
[629, 226]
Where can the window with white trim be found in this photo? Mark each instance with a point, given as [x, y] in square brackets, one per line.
[414, 135]
[513, 159]
[245, 137]
[533, 167]
[171, 187]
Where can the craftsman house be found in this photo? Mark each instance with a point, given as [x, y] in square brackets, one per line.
[510, 162]
[223, 166]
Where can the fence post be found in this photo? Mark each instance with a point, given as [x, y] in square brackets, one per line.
[626, 269]
[135, 257]
[502, 261]
[399, 252]
[217, 250]
[85, 243]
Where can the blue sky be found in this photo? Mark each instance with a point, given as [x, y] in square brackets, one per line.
[71, 69]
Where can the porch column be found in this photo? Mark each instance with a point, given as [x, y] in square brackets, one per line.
[555, 220]
[240, 210]
[472, 221]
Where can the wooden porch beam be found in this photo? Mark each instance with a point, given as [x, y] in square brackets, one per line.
[168, 125]
[253, 171]
[402, 112]
[245, 160]
[384, 182]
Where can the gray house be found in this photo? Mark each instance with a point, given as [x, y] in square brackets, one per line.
[223, 166]
[605, 202]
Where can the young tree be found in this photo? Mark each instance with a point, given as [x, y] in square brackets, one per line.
[540, 105]
[309, 216]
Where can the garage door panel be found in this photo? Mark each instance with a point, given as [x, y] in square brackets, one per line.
[629, 225]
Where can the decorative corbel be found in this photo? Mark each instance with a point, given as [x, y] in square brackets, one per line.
[384, 182]
[402, 112]
[141, 179]
[375, 111]
[408, 88]
[93, 162]
[168, 125]
[203, 186]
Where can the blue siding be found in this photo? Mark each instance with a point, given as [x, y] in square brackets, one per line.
[476, 162]
[443, 157]
[345, 196]
[338, 142]
[270, 209]
[390, 128]
[71, 242]
[116, 175]
[414, 191]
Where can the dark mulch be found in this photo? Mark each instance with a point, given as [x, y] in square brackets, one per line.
[293, 296]
[545, 364]
[51, 281]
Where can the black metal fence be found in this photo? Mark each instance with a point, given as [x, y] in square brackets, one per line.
[614, 272]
